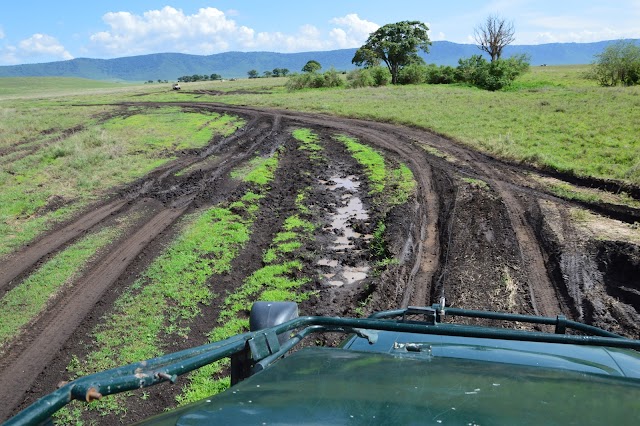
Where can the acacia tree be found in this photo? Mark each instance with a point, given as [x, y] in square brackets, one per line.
[493, 35]
[394, 44]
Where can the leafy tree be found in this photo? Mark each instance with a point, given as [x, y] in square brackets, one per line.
[396, 45]
[252, 74]
[366, 57]
[215, 77]
[312, 66]
[619, 63]
[267, 74]
[493, 35]
[280, 72]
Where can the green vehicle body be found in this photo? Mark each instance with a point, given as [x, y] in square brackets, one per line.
[410, 366]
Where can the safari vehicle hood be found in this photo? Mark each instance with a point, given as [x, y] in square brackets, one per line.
[436, 382]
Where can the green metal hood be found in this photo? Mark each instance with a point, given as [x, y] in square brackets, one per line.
[337, 386]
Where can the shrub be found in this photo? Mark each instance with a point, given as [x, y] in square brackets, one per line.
[381, 75]
[619, 63]
[440, 74]
[412, 74]
[299, 81]
[360, 78]
[494, 75]
[469, 69]
[330, 78]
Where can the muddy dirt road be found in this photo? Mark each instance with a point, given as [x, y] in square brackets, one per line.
[481, 233]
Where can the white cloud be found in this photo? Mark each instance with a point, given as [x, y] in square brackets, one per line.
[1, 33]
[438, 37]
[352, 31]
[169, 30]
[43, 45]
[37, 48]
[308, 37]
[210, 30]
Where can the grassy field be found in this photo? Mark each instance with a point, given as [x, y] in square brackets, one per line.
[48, 173]
[550, 118]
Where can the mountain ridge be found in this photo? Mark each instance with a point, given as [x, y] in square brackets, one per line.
[170, 66]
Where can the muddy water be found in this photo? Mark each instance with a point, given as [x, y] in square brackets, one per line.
[349, 208]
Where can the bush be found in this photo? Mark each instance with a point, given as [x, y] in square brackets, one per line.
[494, 75]
[412, 74]
[330, 78]
[470, 69]
[440, 74]
[299, 81]
[381, 75]
[619, 63]
[360, 78]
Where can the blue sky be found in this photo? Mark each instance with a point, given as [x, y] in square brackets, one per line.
[45, 30]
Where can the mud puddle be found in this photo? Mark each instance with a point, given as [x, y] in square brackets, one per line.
[349, 208]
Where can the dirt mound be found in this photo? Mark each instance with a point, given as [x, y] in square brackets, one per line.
[477, 232]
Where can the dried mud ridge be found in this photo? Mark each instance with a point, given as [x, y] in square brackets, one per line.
[479, 232]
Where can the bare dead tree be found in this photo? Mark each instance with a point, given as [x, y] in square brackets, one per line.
[494, 35]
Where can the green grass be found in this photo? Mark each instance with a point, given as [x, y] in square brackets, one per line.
[392, 184]
[168, 296]
[277, 280]
[308, 141]
[25, 86]
[24, 302]
[551, 116]
[41, 122]
[587, 195]
[477, 183]
[161, 129]
[368, 158]
[61, 176]
[170, 293]
[437, 153]
[569, 192]
[259, 171]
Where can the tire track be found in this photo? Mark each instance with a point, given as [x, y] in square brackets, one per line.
[23, 260]
[544, 299]
[35, 349]
[20, 370]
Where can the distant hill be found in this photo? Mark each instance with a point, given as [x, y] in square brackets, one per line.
[170, 66]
